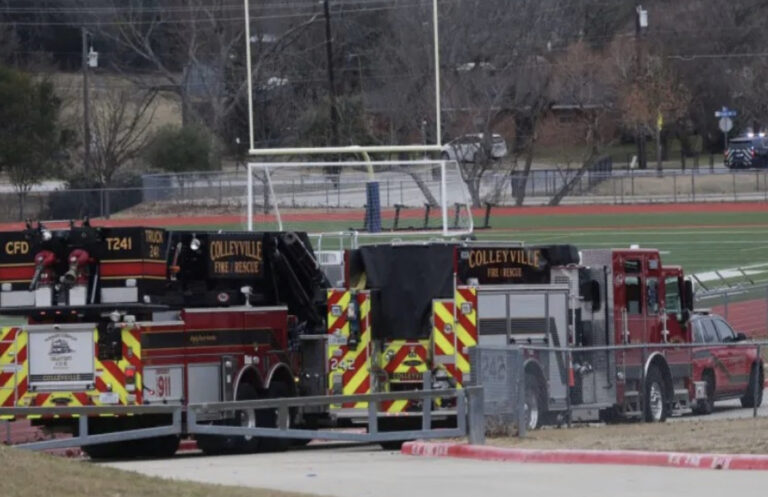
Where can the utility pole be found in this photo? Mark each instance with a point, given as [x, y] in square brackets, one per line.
[86, 99]
[331, 78]
[640, 25]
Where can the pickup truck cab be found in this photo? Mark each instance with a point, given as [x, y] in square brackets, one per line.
[730, 372]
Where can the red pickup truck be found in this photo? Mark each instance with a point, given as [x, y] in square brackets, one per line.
[730, 372]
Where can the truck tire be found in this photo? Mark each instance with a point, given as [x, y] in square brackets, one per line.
[267, 418]
[111, 450]
[397, 424]
[157, 447]
[535, 402]
[707, 405]
[218, 444]
[748, 399]
[655, 405]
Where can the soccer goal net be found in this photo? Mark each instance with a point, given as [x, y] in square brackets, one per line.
[372, 198]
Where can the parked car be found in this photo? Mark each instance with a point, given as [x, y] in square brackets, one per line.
[467, 148]
[730, 372]
[748, 151]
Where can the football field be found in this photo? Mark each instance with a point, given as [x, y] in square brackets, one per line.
[700, 237]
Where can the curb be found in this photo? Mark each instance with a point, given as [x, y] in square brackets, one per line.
[187, 445]
[568, 456]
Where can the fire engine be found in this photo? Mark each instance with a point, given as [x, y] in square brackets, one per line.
[134, 316]
[142, 316]
[401, 310]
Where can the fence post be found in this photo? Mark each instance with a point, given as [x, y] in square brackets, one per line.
[674, 186]
[426, 406]
[734, 186]
[373, 417]
[476, 415]
[569, 407]
[711, 162]
[641, 390]
[622, 189]
[693, 187]
[725, 305]
[758, 383]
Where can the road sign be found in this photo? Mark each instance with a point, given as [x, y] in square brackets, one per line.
[726, 112]
[726, 124]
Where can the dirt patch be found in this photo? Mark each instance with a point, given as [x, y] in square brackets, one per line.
[737, 436]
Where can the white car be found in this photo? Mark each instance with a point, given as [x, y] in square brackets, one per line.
[467, 147]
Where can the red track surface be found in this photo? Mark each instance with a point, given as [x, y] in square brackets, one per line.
[355, 215]
[749, 317]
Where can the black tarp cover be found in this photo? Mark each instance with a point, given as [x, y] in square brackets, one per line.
[404, 279]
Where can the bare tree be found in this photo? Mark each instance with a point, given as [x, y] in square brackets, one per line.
[120, 125]
[587, 79]
[196, 50]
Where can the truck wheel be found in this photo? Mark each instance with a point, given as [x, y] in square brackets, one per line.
[218, 444]
[656, 405]
[748, 399]
[106, 451]
[158, 447]
[397, 424]
[111, 450]
[267, 418]
[535, 402]
[707, 405]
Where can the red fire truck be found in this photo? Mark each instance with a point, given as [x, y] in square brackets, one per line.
[140, 316]
[406, 309]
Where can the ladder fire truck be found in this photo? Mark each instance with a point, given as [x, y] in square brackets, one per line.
[141, 316]
[135, 316]
[402, 310]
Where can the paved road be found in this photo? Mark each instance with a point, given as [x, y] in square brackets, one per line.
[354, 471]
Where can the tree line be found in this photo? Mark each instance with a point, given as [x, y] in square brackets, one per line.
[361, 72]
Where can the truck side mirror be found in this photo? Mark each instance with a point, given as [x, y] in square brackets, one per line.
[688, 294]
[740, 337]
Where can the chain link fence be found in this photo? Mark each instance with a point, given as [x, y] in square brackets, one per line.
[225, 192]
[744, 307]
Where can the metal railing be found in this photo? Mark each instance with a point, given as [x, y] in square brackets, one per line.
[512, 407]
[744, 306]
[470, 419]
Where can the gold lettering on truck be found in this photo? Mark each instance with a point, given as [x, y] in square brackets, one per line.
[236, 256]
[522, 257]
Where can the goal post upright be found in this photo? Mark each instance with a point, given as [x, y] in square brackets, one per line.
[436, 147]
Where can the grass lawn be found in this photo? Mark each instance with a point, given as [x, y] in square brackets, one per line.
[26, 474]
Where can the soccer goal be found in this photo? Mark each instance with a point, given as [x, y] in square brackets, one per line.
[372, 198]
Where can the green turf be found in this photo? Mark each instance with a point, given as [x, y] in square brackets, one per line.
[697, 241]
